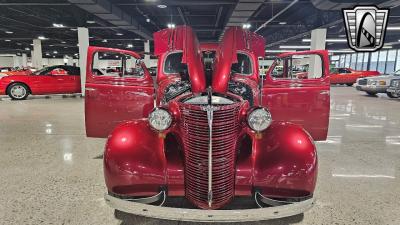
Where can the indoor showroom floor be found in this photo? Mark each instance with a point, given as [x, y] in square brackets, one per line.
[52, 174]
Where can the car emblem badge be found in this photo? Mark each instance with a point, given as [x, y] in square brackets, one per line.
[365, 27]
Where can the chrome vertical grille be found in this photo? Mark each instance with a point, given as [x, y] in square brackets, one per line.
[195, 136]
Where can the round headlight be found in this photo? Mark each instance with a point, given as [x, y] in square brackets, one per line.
[259, 119]
[160, 119]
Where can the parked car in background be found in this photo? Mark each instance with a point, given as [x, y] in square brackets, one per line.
[5, 69]
[23, 71]
[49, 80]
[378, 84]
[394, 87]
[349, 76]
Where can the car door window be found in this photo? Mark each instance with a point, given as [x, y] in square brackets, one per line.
[58, 71]
[115, 64]
[298, 67]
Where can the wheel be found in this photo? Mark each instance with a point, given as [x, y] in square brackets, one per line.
[18, 91]
[390, 95]
[371, 93]
[349, 85]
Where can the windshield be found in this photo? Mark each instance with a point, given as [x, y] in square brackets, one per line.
[41, 71]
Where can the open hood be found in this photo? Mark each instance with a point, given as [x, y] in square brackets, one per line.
[235, 39]
[182, 38]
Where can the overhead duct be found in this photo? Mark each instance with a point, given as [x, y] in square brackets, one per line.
[105, 10]
[243, 11]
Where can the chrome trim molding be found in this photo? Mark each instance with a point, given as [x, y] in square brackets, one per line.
[201, 215]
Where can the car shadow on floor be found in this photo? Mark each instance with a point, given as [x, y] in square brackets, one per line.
[130, 219]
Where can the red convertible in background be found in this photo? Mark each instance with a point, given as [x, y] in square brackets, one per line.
[349, 76]
[50, 80]
[208, 142]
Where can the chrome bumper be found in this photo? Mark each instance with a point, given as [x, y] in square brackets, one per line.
[393, 90]
[200, 215]
[371, 88]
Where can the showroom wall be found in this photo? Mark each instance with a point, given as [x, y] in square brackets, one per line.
[6, 61]
[384, 61]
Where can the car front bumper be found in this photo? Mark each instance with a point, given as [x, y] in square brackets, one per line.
[393, 90]
[371, 88]
[201, 215]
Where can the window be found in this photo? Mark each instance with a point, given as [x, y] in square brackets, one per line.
[374, 61]
[115, 64]
[243, 65]
[353, 60]
[347, 60]
[341, 60]
[298, 67]
[342, 70]
[398, 61]
[360, 56]
[365, 61]
[382, 61]
[173, 63]
[391, 60]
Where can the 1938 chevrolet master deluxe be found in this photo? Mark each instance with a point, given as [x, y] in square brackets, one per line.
[210, 137]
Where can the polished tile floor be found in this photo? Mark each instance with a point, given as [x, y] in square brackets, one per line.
[50, 173]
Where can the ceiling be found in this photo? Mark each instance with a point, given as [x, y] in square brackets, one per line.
[124, 23]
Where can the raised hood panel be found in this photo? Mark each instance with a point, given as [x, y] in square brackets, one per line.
[235, 39]
[182, 38]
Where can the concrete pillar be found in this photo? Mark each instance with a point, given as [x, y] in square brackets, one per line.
[17, 61]
[37, 54]
[83, 41]
[147, 53]
[24, 60]
[318, 41]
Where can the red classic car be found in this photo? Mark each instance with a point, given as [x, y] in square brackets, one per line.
[50, 80]
[349, 76]
[208, 143]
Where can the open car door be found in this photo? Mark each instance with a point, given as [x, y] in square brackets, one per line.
[297, 90]
[118, 88]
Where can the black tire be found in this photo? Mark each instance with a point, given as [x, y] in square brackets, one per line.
[349, 85]
[18, 91]
[390, 95]
[371, 93]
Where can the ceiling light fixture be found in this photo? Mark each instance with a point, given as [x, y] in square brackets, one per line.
[279, 51]
[27, 49]
[295, 46]
[162, 6]
[171, 25]
[42, 38]
[137, 39]
[327, 40]
[148, 20]
[246, 26]
[55, 52]
[63, 42]
[130, 45]
[282, 23]
[105, 40]
[119, 34]
[90, 21]
[393, 28]
[58, 25]
[8, 32]
[73, 29]
[7, 40]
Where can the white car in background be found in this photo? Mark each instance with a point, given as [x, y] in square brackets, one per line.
[378, 84]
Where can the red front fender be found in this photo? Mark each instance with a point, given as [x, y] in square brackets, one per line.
[134, 160]
[285, 161]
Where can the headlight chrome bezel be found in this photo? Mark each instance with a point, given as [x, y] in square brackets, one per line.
[251, 113]
[163, 127]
